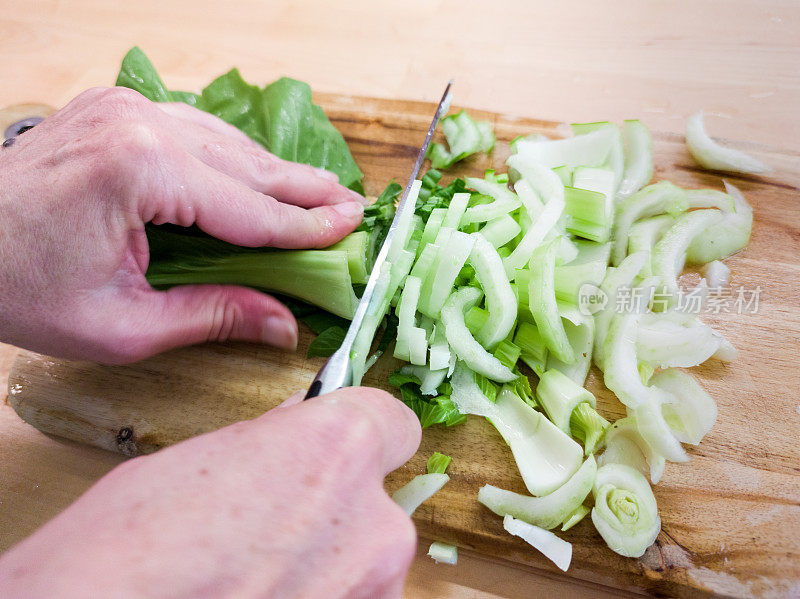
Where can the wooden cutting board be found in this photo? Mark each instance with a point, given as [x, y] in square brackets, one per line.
[731, 516]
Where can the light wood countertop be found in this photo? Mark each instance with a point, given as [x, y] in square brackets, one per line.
[572, 61]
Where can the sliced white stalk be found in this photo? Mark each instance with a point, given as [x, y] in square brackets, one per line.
[440, 349]
[580, 330]
[711, 155]
[625, 445]
[505, 201]
[431, 230]
[600, 180]
[455, 248]
[666, 343]
[726, 351]
[501, 230]
[669, 254]
[546, 456]
[500, 299]
[576, 516]
[461, 341]
[571, 277]
[556, 550]
[717, 274]
[616, 154]
[658, 198]
[535, 235]
[622, 365]
[726, 237]
[406, 316]
[693, 413]
[467, 394]
[418, 346]
[638, 149]
[625, 511]
[654, 428]
[456, 210]
[549, 510]
[543, 306]
[616, 279]
[644, 235]
[710, 198]
[591, 149]
[430, 379]
[421, 488]
[559, 396]
[442, 553]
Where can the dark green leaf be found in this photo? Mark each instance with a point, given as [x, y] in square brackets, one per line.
[320, 321]
[327, 342]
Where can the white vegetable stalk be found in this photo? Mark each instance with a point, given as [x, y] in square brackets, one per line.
[710, 198]
[717, 274]
[664, 342]
[616, 279]
[442, 553]
[693, 412]
[549, 510]
[625, 512]
[726, 237]
[543, 223]
[422, 487]
[576, 516]
[638, 148]
[591, 149]
[669, 255]
[461, 341]
[500, 299]
[580, 334]
[616, 154]
[645, 234]
[625, 445]
[542, 304]
[455, 248]
[659, 198]
[505, 201]
[556, 550]
[501, 230]
[711, 155]
[546, 456]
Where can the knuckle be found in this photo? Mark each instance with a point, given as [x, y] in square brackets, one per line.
[225, 316]
[119, 101]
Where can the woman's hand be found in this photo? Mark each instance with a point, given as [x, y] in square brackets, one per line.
[76, 191]
[288, 505]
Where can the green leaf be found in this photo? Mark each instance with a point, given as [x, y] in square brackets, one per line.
[320, 321]
[327, 342]
[438, 463]
[282, 117]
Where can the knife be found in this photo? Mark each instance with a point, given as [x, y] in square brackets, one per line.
[337, 371]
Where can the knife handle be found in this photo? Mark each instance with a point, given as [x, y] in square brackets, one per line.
[334, 374]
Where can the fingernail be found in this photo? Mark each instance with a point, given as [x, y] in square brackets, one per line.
[349, 209]
[279, 332]
[327, 174]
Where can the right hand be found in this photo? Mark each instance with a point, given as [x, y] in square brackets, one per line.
[290, 504]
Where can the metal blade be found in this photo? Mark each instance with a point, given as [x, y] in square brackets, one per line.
[334, 374]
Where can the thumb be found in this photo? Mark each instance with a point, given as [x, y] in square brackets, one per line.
[191, 314]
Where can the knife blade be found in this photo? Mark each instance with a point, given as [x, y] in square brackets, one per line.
[337, 372]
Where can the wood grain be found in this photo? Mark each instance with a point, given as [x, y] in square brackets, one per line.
[731, 516]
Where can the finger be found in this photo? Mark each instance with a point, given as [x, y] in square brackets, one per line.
[397, 428]
[226, 149]
[191, 314]
[294, 398]
[204, 119]
[184, 191]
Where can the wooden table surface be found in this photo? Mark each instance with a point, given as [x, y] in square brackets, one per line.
[571, 61]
